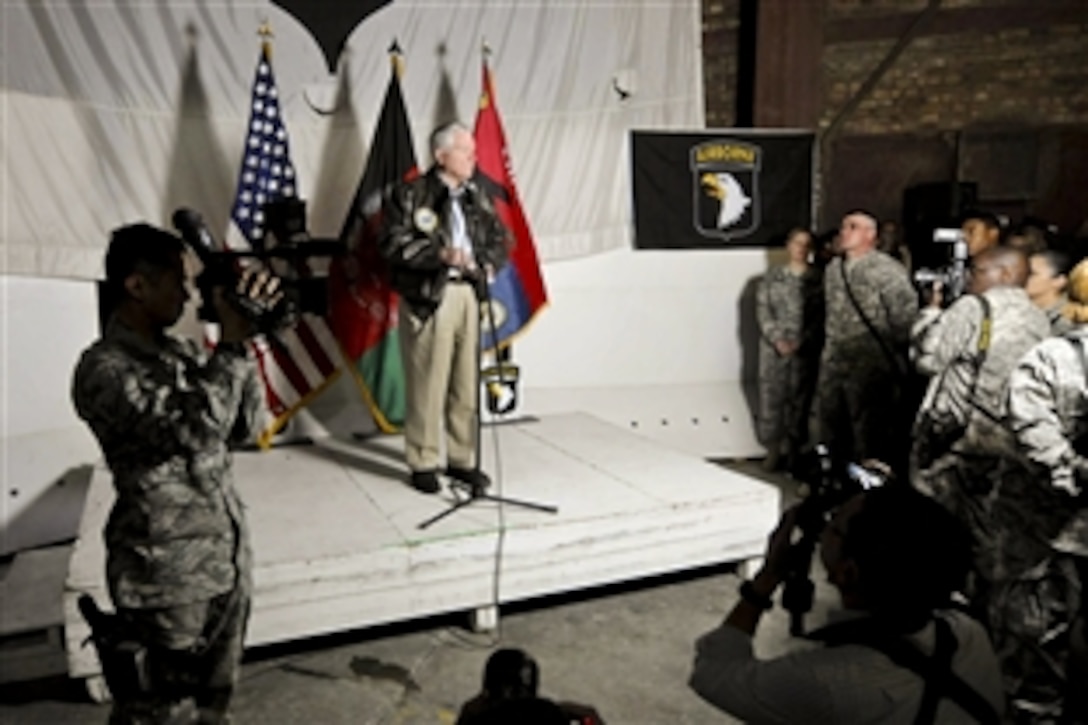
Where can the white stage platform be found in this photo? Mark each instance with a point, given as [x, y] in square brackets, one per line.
[338, 545]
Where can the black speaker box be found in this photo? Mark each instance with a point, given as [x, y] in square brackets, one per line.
[932, 206]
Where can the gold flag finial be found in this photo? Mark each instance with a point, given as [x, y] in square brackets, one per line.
[396, 57]
[265, 31]
[485, 92]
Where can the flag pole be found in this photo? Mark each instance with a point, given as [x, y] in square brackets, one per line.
[501, 354]
[363, 304]
[293, 373]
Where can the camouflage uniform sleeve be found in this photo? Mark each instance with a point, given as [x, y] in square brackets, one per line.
[950, 335]
[252, 410]
[1034, 418]
[921, 341]
[901, 302]
[813, 313]
[402, 243]
[190, 407]
[764, 315]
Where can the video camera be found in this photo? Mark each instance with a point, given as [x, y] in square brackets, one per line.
[288, 257]
[953, 276]
[830, 483]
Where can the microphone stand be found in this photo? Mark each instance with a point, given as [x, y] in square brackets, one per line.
[475, 493]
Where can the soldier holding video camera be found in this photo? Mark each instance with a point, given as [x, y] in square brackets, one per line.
[165, 415]
[968, 351]
[982, 230]
[903, 654]
[979, 232]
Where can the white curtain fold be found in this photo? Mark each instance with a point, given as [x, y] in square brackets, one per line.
[113, 112]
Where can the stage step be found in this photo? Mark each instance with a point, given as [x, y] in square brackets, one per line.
[340, 544]
[31, 617]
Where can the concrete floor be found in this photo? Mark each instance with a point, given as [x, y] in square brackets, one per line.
[627, 650]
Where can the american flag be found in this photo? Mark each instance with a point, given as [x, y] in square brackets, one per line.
[304, 358]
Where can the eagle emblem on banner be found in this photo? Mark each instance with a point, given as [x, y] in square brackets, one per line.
[725, 174]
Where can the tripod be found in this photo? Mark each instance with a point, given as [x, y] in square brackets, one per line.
[799, 591]
[476, 493]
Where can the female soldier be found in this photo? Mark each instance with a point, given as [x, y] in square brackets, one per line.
[789, 309]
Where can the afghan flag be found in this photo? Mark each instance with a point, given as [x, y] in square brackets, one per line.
[362, 303]
[517, 293]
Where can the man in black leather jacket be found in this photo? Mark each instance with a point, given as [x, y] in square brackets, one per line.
[443, 241]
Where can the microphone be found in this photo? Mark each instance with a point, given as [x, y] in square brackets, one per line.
[220, 269]
[191, 226]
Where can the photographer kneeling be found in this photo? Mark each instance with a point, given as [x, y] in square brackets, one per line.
[165, 414]
[904, 655]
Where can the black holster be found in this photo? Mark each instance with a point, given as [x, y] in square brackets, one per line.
[124, 659]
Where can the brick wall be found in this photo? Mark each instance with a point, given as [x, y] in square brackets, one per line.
[721, 21]
[975, 68]
[946, 79]
[1036, 76]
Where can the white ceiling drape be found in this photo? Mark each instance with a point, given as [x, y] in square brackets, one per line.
[114, 112]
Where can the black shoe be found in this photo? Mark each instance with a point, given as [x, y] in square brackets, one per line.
[474, 477]
[425, 481]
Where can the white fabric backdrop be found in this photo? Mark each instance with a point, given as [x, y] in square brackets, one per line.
[119, 111]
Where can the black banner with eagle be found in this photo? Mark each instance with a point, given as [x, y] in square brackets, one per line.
[720, 189]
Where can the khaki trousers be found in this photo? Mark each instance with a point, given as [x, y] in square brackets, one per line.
[440, 360]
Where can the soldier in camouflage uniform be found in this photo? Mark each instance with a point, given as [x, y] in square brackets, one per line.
[178, 560]
[864, 356]
[981, 230]
[1038, 605]
[789, 310]
[1046, 286]
[968, 350]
